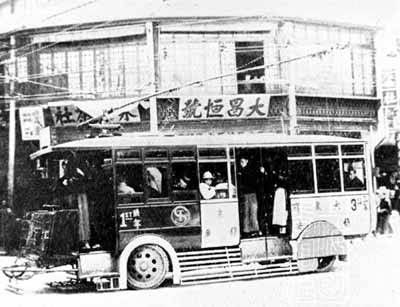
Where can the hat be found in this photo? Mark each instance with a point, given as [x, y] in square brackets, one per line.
[244, 156]
[208, 175]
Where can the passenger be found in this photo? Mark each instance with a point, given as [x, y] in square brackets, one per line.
[354, 182]
[221, 187]
[247, 182]
[74, 181]
[183, 183]
[154, 181]
[207, 191]
[124, 188]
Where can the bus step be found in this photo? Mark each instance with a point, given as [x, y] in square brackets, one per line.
[238, 272]
[107, 283]
[209, 258]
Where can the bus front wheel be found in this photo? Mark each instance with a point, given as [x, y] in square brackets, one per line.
[147, 267]
[325, 264]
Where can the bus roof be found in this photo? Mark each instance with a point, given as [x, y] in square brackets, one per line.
[244, 139]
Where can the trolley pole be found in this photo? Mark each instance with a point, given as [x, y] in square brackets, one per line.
[11, 125]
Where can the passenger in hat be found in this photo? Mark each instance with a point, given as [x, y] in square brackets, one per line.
[207, 191]
[183, 183]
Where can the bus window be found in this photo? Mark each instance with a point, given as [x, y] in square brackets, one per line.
[219, 177]
[299, 151]
[156, 154]
[301, 179]
[354, 174]
[328, 175]
[155, 178]
[184, 180]
[183, 154]
[326, 150]
[352, 150]
[130, 183]
[212, 153]
[128, 154]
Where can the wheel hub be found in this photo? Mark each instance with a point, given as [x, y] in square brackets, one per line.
[143, 266]
[147, 267]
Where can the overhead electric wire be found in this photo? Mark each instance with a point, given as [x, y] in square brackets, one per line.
[101, 24]
[66, 91]
[104, 23]
[50, 17]
[40, 75]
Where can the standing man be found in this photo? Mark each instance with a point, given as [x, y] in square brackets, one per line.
[247, 183]
[8, 230]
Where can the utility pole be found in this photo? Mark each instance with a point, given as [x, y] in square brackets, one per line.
[292, 109]
[152, 38]
[11, 125]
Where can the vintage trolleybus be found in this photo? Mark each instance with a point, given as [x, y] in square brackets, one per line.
[127, 211]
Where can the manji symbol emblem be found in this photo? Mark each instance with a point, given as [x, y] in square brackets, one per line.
[180, 216]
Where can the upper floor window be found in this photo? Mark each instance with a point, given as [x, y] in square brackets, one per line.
[250, 54]
[103, 71]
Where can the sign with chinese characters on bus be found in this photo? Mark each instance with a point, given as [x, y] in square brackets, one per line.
[223, 107]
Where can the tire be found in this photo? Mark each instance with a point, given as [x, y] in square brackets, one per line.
[147, 267]
[325, 264]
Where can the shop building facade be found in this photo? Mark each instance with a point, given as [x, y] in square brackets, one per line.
[212, 75]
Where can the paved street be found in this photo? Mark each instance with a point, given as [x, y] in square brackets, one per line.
[369, 278]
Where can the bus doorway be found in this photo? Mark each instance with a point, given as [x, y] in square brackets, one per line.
[263, 191]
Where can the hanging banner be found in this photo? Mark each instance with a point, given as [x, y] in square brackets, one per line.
[32, 120]
[69, 112]
[223, 107]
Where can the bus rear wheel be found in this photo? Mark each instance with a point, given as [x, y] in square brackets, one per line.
[147, 267]
[325, 264]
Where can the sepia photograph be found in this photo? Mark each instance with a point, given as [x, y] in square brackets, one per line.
[198, 153]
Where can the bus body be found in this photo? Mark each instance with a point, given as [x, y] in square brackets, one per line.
[155, 229]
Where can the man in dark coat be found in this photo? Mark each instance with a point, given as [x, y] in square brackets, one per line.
[8, 230]
[247, 183]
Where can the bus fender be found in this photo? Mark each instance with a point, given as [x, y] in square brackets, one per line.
[320, 239]
[144, 240]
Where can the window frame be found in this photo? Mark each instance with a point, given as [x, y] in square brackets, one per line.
[179, 160]
[166, 162]
[228, 160]
[341, 156]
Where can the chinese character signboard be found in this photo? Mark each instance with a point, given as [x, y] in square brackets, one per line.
[32, 120]
[74, 112]
[223, 107]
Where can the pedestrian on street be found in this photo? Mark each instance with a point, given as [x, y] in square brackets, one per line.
[384, 210]
[8, 229]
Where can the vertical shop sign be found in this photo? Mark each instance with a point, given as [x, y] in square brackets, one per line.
[32, 120]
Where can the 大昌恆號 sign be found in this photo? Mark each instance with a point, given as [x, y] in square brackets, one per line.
[223, 107]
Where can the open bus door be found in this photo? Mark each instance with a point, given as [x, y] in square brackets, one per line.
[268, 183]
